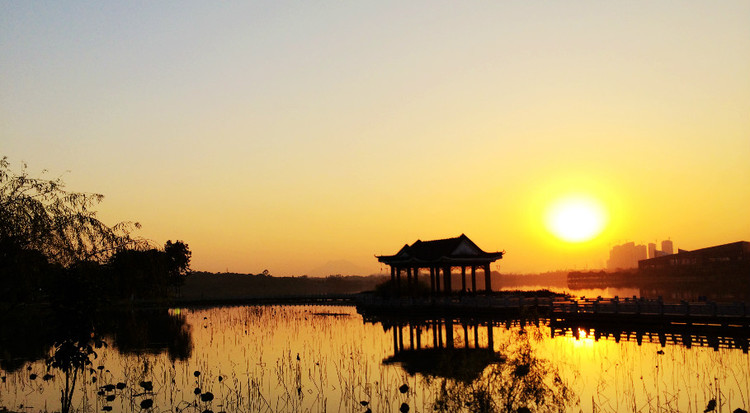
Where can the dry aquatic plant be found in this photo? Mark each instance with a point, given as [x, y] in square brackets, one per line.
[247, 361]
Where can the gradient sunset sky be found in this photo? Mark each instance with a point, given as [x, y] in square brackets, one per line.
[282, 135]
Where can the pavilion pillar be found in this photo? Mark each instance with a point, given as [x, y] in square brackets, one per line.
[463, 279]
[398, 280]
[416, 279]
[487, 278]
[393, 279]
[474, 279]
[408, 281]
[449, 333]
[432, 280]
[490, 337]
[437, 280]
[447, 275]
[466, 334]
[434, 335]
[440, 333]
[400, 338]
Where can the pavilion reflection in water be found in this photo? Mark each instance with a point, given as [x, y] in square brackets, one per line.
[461, 348]
[435, 348]
[455, 348]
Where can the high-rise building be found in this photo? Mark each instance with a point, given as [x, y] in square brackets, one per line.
[667, 246]
[626, 256]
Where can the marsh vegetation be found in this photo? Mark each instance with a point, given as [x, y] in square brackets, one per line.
[315, 358]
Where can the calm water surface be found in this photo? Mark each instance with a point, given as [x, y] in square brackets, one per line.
[315, 358]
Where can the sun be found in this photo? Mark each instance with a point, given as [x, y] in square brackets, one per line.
[576, 218]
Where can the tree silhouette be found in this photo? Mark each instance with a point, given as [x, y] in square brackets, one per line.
[54, 249]
[39, 214]
[178, 260]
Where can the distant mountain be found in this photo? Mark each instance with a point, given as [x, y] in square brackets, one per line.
[342, 267]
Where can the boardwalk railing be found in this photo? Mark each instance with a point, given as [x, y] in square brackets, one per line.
[650, 307]
[457, 302]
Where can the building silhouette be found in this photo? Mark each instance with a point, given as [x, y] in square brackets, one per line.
[626, 256]
[726, 259]
[667, 246]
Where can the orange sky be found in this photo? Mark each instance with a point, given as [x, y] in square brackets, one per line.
[283, 136]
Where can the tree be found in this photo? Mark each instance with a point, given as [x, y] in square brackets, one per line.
[178, 258]
[139, 274]
[148, 273]
[39, 214]
[24, 275]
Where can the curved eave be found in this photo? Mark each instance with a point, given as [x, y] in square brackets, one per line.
[483, 259]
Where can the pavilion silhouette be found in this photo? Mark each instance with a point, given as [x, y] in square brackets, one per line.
[440, 256]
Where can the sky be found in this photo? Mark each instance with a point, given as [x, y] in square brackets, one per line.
[307, 137]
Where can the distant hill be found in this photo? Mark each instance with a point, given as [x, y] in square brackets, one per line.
[338, 267]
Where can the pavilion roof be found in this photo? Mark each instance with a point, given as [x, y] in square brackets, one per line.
[442, 251]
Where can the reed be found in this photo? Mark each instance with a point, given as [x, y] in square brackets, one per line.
[317, 358]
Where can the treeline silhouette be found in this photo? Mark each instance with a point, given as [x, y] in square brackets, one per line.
[61, 271]
[27, 276]
[206, 286]
[54, 249]
[216, 287]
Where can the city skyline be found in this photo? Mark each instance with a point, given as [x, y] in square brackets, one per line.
[286, 136]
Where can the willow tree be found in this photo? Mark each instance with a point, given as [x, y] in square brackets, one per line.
[40, 214]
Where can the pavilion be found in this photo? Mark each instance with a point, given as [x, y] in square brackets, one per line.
[440, 255]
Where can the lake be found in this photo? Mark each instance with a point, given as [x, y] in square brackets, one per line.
[329, 358]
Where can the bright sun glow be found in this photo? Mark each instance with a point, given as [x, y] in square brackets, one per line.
[576, 219]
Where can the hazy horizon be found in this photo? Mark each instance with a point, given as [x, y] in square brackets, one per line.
[284, 136]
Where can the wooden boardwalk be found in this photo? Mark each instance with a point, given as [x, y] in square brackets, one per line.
[457, 306]
[654, 311]
[612, 309]
[705, 324]
[716, 325]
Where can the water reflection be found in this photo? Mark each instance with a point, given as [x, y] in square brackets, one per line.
[436, 354]
[716, 287]
[153, 332]
[69, 340]
[316, 358]
[715, 336]
[472, 371]
[34, 335]
[521, 382]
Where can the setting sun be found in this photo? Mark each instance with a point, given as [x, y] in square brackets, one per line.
[576, 218]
